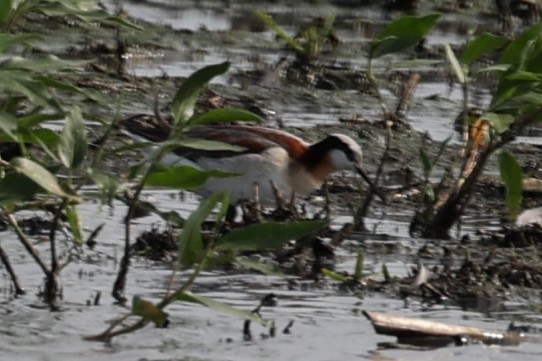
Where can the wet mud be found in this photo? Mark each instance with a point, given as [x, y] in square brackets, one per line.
[488, 267]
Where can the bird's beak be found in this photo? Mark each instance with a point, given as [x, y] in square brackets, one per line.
[374, 189]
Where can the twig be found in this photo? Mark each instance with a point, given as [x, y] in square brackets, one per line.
[14, 279]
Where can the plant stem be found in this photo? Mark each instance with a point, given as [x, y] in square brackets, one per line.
[26, 243]
[14, 279]
[374, 84]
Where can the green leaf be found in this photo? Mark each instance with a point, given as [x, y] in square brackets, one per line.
[149, 311]
[358, 270]
[416, 63]
[75, 224]
[39, 175]
[270, 235]
[456, 67]
[525, 76]
[8, 125]
[22, 83]
[268, 20]
[266, 269]
[188, 296]
[45, 63]
[334, 275]
[57, 84]
[15, 188]
[190, 241]
[401, 34]
[108, 183]
[499, 122]
[5, 11]
[9, 40]
[225, 115]
[187, 95]
[183, 177]
[202, 144]
[482, 45]
[514, 52]
[426, 163]
[512, 176]
[34, 119]
[73, 141]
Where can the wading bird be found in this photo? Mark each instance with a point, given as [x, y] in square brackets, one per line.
[270, 158]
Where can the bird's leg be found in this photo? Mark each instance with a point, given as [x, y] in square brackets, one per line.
[278, 195]
[256, 199]
[292, 207]
[252, 210]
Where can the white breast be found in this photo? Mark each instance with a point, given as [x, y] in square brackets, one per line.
[269, 166]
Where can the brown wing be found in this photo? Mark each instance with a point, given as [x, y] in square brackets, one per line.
[147, 126]
[253, 139]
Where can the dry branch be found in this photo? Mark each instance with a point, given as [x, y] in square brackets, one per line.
[430, 333]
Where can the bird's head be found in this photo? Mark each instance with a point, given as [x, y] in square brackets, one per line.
[345, 154]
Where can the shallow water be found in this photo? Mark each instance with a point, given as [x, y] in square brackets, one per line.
[355, 26]
[328, 324]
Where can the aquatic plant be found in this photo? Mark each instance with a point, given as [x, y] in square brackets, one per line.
[310, 41]
[514, 106]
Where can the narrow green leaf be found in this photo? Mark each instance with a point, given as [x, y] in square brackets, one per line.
[358, 271]
[190, 241]
[514, 51]
[525, 76]
[495, 68]
[499, 122]
[34, 119]
[426, 163]
[15, 188]
[183, 177]
[270, 235]
[75, 224]
[57, 84]
[187, 95]
[39, 175]
[334, 275]
[45, 63]
[401, 34]
[266, 269]
[5, 11]
[456, 67]
[188, 296]
[108, 183]
[268, 20]
[8, 125]
[512, 176]
[21, 82]
[9, 40]
[416, 63]
[149, 311]
[482, 45]
[170, 217]
[202, 144]
[225, 115]
[73, 141]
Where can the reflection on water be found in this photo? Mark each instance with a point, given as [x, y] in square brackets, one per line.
[327, 323]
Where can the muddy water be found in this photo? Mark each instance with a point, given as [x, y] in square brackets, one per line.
[354, 26]
[327, 323]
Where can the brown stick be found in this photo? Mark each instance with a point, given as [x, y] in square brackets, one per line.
[407, 93]
[407, 329]
[14, 279]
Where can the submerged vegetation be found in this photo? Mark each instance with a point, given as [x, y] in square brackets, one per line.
[55, 171]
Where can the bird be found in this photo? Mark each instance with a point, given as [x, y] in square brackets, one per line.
[269, 158]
